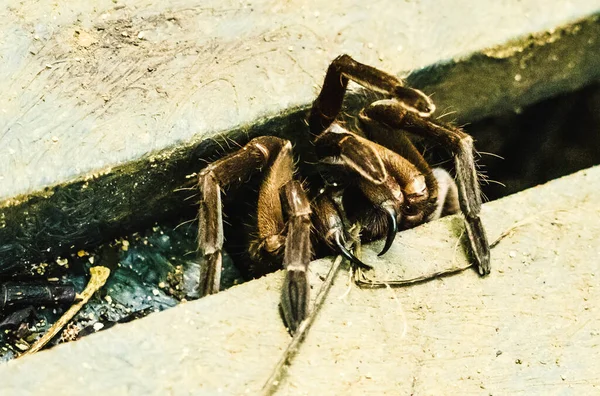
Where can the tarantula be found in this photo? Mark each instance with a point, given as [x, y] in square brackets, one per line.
[373, 175]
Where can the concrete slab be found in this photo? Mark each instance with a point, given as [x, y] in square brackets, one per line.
[110, 82]
[531, 327]
[107, 106]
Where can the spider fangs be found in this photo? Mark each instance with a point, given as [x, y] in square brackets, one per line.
[374, 176]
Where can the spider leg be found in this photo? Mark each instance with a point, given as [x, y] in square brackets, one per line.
[328, 104]
[443, 193]
[235, 168]
[296, 290]
[278, 194]
[338, 147]
[392, 114]
[389, 181]
[400, 144]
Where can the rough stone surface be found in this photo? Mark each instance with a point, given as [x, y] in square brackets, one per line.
[107, 106]
[532, 326]
[107, 83]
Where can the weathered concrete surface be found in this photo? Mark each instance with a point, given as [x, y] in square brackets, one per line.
[108, 83]
[532, 326]
[104, 105]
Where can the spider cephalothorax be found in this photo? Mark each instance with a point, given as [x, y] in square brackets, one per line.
[373, 175]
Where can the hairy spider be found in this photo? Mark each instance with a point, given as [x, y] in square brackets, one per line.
[373, 175]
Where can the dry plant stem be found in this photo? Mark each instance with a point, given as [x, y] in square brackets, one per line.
[364, 283]
[524, 222]
[270, 387]
[272, 384]
[99, 275]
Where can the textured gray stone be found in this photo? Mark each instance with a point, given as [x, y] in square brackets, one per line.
[532, 326]
[105, 107]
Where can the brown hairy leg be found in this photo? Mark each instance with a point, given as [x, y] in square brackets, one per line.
[295, 294]
[443, 193]
[233, 169]
[328, 104]
[279, 194]
[393, 114]
[398, 192]
[220, 174]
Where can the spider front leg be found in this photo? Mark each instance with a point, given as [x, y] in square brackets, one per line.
[220, 174]
[278, 194]
[392, 114]
[328, 104]
[295, 294]
[396, 193]
[443, 193]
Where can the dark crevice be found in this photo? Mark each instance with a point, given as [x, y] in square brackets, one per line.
[547, 140]
[544, 141]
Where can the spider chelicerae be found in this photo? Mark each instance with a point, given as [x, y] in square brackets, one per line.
[372, 175]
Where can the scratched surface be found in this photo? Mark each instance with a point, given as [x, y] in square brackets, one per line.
[532, 327]
[107, 106]
[90, 85]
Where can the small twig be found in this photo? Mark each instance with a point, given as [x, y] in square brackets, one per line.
[366, 283]
[524, 222]
[362, 281]
[99, 275]
[272, 384]
[350, 276]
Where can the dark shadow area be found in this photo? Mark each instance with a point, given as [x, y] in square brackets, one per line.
[550, 139]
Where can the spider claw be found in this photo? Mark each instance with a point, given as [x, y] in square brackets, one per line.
[392, 229]
[295, 298]
[479, 245]
[347, 254]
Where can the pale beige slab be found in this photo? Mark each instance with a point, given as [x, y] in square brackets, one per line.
[531, 327]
